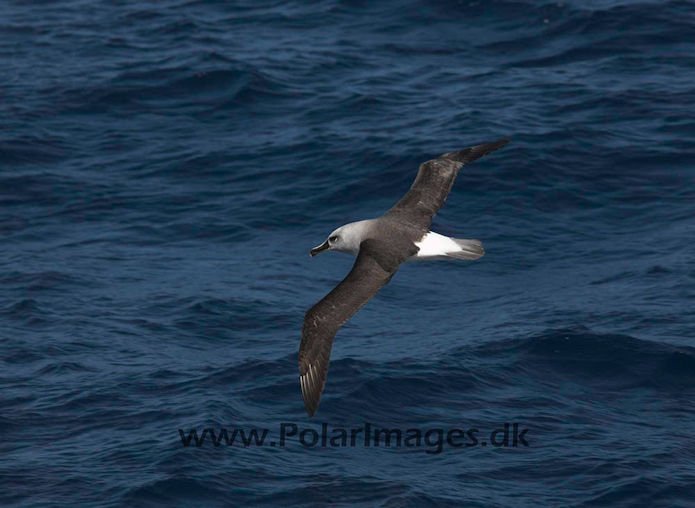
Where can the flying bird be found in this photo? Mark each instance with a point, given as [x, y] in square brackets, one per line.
[381, 245]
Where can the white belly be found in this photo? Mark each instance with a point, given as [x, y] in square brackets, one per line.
[435, 246]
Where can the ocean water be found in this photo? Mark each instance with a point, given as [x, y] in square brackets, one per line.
[165, 168]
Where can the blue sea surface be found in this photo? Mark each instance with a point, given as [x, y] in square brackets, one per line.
[165, 168]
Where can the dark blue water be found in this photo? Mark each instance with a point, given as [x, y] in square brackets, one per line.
[165, 168]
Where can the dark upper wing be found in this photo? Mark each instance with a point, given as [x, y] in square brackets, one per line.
[372, 270]
[433, 183]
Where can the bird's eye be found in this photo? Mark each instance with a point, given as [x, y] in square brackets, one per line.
[333, 239]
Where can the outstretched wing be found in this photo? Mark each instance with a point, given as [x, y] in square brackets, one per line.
[372, 270]
[433, 183]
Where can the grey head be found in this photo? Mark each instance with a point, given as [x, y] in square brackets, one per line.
[346, 238]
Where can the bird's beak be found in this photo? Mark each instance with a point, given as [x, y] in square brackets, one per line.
[318, 250]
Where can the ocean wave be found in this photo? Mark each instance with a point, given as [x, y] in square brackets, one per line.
[609, 360]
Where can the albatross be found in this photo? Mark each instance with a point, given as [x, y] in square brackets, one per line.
[402, 234]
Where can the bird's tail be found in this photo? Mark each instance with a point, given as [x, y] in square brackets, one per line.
[470, 249]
